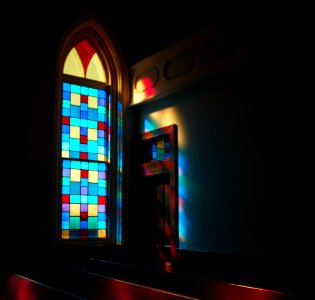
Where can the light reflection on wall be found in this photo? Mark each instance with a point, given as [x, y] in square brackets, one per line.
[182, 196]
[119, 175]
[143, 90]
[166, 117]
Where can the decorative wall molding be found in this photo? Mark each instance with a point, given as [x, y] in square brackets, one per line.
[195, 58]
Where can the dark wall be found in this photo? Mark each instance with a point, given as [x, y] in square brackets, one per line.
[31, 37]
[241, 148]
[240, 137]
[237, 158]
[27, 118]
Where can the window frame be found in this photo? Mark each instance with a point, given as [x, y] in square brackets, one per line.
[115, 68]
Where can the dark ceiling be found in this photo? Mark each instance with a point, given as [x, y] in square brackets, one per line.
[141, 29]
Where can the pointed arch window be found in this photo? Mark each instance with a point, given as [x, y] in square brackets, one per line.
[83, 61]
[89, 137]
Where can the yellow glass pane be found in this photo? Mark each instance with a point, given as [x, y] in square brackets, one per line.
[73, 65]
[65, 234]
[101, 157]
[93, 176]
[75, 132]
[75, 99]
[92, 210]
[92, 102]
[102, 233]
[75, 175]
[74, 209]
[95, 70]
[65, 153]
[92, 134]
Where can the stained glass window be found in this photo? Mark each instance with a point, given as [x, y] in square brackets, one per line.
[92, 93]
[85, 140]
[84, 145]
[83, 61]
[84, 199]
[85, 123]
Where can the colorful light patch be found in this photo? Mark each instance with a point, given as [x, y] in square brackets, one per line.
[84, 196]
[119, 176]
[160, 149]
[85, 123]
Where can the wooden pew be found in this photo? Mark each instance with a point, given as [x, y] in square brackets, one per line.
[18, 287]
[90, 286]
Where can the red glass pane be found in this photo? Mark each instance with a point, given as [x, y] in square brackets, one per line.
[84, 99]
[65, 199]
[101, 125]
[83, 155]
[66, 120]
[83, 234]
[83, 216]
[86, 52]
[84, 174]
[83, 139]
[101, 200]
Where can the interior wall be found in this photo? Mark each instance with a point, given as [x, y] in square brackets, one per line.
[237, 158]
[238, 137]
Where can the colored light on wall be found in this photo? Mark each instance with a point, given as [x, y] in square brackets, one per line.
[119, 175]
[160, 149]
[183, 224]
[143, 90]
[165, 117]
[84, 195]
